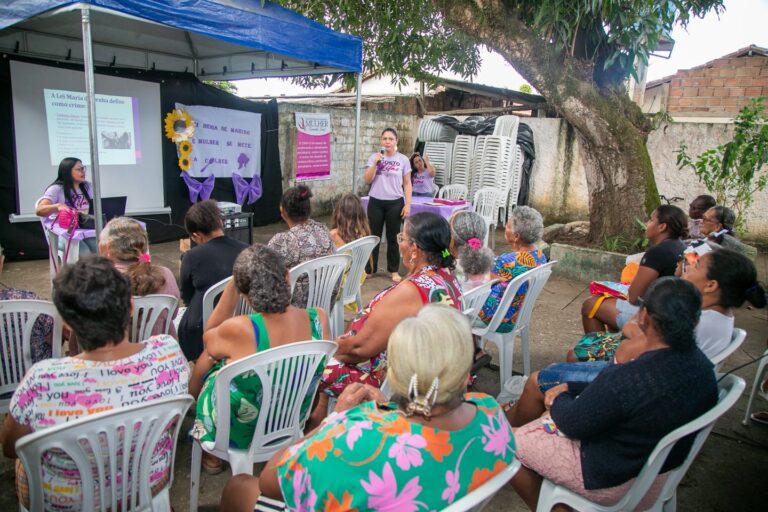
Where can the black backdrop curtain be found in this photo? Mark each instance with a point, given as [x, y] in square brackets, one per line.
[26, 240]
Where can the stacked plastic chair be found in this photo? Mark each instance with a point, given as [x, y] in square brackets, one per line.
[461, 160]
[431, 131]
[495, 162]
[439, 154]
[475, 168]
[515, 179]
[506, 126]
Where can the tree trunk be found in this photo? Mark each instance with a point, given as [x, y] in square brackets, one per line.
[610, 128]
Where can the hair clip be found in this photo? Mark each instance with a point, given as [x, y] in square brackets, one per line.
[475, 243]
[445, 253]
[145, 258]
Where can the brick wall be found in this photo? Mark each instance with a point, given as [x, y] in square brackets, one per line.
[724, 85]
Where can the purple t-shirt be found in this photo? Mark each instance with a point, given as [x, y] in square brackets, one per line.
[388, 182]
[422, 182]
[55, 194]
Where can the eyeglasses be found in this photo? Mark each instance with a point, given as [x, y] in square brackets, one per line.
[401, 238]
[81, 169]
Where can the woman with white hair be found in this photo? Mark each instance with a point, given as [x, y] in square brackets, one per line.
[474, 260]
[431, 445]
[524, 227]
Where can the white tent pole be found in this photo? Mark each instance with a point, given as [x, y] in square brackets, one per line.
[357, 133]
[90, 94]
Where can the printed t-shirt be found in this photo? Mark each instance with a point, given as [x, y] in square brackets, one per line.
[55, 391]
[422, 182]
[55, 194]
[388, 182]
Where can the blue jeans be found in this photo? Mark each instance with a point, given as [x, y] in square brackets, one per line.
[558, 373]
[87, 246]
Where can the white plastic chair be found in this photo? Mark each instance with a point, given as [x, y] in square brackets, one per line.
[472, 301]
[505, 342]
[730, 389]
[96, 444]
[453, 192]
[435, 189]
[324, 275]
[287, 375]
[147, 310]
[479, 498]
[360, 251]
[55, 256]
[486, 204]
[213, 293]
[17, 318]
[737, 338]
[762, 369]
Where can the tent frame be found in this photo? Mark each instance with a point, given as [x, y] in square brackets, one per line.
[90, 92]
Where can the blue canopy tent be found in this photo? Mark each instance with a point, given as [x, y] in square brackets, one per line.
[213, 39]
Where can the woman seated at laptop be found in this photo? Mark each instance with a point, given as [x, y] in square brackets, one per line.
[69, 195]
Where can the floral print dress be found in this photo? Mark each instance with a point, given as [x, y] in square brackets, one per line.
[508, 266]
[434, 286]
[373, 458]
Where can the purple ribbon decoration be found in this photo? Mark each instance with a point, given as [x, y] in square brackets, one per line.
[244, 191]
[199, 191]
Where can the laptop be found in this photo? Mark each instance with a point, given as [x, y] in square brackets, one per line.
[112, 207]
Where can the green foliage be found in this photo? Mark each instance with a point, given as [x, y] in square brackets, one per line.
[631, 244]
[526, 88]
[735, 171]
[406, 38]
[224, 85]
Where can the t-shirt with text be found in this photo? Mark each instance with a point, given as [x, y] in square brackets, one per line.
[388, 182]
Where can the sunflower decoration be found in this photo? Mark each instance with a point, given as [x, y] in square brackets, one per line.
[185, 163]
[179, 125]
[185, 148]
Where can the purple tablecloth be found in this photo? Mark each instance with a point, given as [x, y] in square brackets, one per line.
[424, 204]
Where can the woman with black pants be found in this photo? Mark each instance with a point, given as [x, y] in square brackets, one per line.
[388, 173]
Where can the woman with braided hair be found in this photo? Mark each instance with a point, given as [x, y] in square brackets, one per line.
[261, 277]
[428, 447]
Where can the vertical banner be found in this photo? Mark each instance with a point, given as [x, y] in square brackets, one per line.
[225, 141]
[313, 146]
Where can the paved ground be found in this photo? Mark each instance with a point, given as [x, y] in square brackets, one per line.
[726, 476]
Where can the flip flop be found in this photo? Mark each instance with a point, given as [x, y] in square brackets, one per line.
[213, 468]
[760, 417]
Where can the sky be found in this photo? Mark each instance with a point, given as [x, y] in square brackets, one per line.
[743, 23]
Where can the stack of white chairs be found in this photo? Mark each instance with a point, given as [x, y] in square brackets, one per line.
[515, 179]
[461, 160]
[431, 131]
[439, 154]
[506, 126]
[475, 168]
[495, 162]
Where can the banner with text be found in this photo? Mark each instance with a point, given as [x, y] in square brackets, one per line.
[313, 146]
[225, 141]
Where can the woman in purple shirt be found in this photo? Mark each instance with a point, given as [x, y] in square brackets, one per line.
[69, 190]
[389, 175]
[422, 175]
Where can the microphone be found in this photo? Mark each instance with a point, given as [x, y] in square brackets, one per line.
[381, 151]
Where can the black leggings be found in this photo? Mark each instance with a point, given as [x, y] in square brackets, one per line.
[381, 212]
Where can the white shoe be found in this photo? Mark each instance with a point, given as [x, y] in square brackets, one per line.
[512, 389]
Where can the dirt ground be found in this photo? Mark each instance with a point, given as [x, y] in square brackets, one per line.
[726, 476]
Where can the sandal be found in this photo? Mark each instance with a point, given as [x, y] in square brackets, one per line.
[760, 417]
[396, 278]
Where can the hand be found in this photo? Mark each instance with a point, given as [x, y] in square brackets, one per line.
[355, 394]
[378, 157]
[426, 160]
[553, 393]
[406, 211]
[61, 206]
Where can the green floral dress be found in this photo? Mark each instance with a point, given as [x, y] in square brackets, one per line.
[372, 458]
[245, 394]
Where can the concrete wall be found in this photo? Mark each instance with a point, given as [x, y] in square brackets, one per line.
[342, 146]
[558, 182]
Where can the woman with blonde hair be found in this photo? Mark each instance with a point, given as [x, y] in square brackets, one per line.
[349, 221]
[125, 243]
[431, 445]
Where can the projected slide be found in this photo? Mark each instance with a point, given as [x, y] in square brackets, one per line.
[117, 121]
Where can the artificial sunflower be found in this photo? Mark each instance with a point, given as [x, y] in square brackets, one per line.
[185, 163]
[179, 125]
[185, 148]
